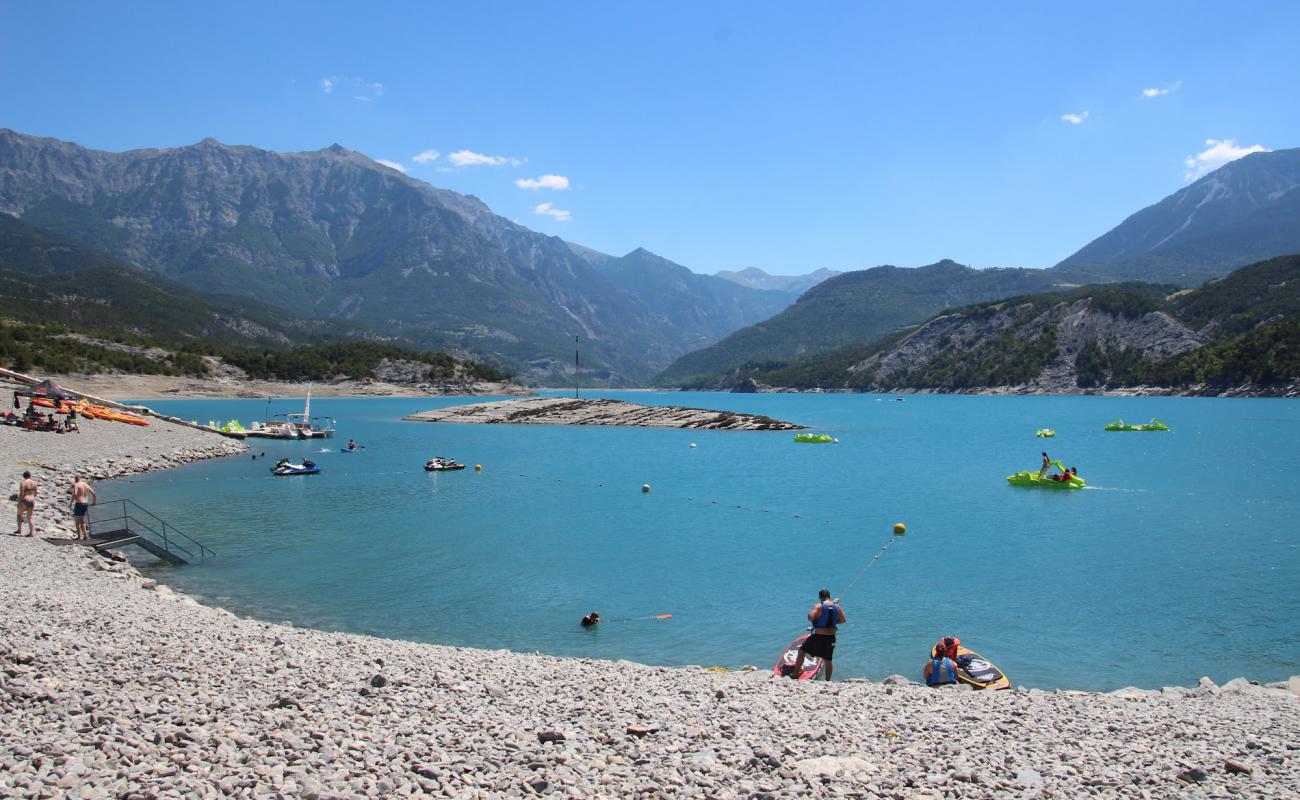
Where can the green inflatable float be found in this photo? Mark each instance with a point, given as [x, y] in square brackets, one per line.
[1117, 424]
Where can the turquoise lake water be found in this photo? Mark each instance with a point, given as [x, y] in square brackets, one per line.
[1181, 559]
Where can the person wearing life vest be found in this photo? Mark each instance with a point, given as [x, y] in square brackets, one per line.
[826, 617]
[940, 669]
[949, 645]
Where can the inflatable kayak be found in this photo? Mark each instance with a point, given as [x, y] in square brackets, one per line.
[1045, 433]
[1027, 478]
[1154, 425]
[814, 438]
[284, 467]
[976, 670]
[812, 665]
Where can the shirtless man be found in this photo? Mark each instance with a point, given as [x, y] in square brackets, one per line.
[26, 503]
[83, 497]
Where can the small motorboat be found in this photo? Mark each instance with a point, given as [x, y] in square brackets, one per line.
[440, 464]
[286, 467]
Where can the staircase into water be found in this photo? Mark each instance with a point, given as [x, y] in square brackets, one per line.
[124, 523]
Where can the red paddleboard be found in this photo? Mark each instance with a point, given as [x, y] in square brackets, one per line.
[785, 664]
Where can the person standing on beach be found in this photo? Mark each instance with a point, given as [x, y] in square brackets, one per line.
[826, 618]
[26, 504]
[83, 497]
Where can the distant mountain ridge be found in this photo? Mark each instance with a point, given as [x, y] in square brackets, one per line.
[1237, 334]
[331, 233]
[1245, 211]
[853, 307]
[796, 285]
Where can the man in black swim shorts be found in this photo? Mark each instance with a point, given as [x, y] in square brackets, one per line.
[82, 498]
[826, 617]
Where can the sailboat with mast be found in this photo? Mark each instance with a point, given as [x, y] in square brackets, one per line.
[294, 426]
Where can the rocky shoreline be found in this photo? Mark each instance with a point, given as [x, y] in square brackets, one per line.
[113, 685]
[1291, 390]
[600, 411]
[116, 686]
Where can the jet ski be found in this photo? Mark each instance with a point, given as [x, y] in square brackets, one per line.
[284, 467]
[440, 464]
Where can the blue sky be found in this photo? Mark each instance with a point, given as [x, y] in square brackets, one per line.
[721, 135]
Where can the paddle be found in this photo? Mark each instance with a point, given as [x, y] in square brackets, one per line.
[638, 619]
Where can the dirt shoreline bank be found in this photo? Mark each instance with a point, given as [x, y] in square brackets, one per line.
[162, 387]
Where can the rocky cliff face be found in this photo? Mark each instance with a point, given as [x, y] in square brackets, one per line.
[331, 233]
[1048, 341]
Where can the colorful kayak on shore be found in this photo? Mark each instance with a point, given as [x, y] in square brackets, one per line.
[812, 665]
[1117, 424]
[89, 411]
[976, 670]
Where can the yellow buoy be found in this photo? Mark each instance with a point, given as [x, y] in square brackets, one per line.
[899, 529]
[478, 467]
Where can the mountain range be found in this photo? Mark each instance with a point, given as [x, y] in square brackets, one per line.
[1239, 333]
[332, 243]
[794, 285]
[334, 234]
[853, 307]
[1245, 211]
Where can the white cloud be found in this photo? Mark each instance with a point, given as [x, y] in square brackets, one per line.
[1217, 152]
[556, 182]
[426, 156]
[1075, 119]
[1158, 91]
[360, 88]
[391, 165]
[546, 210]
[468, 158]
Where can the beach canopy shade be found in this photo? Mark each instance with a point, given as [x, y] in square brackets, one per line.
[46, 389]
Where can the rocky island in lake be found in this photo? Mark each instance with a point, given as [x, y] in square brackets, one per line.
[600, 411]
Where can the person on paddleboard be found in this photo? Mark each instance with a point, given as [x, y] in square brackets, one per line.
[826, 617]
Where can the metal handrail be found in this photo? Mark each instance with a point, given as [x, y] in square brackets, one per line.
[168, 542]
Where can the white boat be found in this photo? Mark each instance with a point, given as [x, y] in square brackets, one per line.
[294, 426]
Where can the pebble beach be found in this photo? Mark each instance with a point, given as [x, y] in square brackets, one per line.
[112, 685]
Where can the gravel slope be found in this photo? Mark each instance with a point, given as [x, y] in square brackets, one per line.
[114, 686]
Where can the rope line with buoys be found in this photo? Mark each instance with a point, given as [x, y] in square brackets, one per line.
[659, 494]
